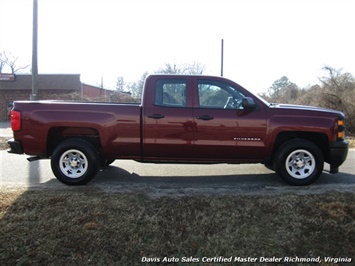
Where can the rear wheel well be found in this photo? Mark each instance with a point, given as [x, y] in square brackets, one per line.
[59, 134]
[318, 139]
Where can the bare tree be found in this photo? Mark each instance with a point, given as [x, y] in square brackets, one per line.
[283, 90]
[2, 62]
[10, 61]
[120, 83]
[336, 91]
[187, 69]
[136, 88]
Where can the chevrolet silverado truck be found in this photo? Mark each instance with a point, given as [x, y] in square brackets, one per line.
[181, 119]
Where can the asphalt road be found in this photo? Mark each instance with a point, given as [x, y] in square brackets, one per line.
[174, 180]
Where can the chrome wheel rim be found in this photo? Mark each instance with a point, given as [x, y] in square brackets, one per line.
[73, 163]
[300, 164]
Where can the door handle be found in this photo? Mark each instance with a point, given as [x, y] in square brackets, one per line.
[156, 116]
[205, 117]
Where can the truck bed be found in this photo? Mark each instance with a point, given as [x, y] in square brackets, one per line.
[51, 121]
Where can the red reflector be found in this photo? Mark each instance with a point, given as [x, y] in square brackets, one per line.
[15, 120]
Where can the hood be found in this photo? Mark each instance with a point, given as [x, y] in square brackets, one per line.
[304, 108]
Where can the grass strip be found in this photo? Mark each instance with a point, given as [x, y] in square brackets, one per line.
[87, 226]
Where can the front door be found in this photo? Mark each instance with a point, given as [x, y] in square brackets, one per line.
[224, 130]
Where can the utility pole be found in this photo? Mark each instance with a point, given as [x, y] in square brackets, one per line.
[34, 95]
[222, 50]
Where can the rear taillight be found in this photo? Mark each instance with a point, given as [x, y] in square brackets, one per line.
[15, 120]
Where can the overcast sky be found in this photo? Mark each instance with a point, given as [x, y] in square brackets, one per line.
[263, 39]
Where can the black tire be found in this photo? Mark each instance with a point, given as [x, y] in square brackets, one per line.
[299, 162]
[75, 162]
[108, 162]
[270, 166]
[105, 163]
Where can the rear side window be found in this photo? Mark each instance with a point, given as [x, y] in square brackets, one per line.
[170, 92]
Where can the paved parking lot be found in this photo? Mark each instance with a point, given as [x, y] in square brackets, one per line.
[125, 176]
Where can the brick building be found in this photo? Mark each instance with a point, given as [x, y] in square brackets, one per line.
[92, 92]
[54, 87]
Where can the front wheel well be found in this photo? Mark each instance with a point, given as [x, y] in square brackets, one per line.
[319, 139]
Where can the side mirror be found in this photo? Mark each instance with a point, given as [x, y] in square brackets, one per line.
[248, 103]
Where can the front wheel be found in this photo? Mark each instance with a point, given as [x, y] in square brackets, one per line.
[299, 162]
[75, 162]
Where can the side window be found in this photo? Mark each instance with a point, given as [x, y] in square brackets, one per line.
[219, 95]
[170, 92]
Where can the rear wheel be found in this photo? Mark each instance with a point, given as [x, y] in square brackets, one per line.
[75, 162]
[299, 162]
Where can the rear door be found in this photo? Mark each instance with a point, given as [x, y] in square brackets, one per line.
[224, 130]
[168, 127]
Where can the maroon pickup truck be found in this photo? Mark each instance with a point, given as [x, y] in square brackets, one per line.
[184, 119]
